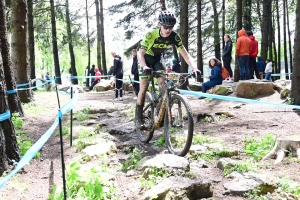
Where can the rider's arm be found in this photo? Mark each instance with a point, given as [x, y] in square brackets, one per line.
[141, 58]
[188, 59]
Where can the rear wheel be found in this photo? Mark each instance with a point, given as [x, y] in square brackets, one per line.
[148, 119]
[179, 126]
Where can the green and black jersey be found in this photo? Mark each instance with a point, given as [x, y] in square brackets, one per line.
[155, 44]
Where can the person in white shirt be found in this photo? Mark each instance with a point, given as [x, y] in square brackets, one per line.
[268, 70]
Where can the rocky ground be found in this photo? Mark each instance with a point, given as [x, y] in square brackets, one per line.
[113, 120]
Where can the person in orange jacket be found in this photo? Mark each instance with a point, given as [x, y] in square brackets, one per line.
[97, 78]
[243, 49]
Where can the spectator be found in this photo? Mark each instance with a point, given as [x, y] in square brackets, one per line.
[268, 70]
[135, 72]
[96, 79]
[215, 78]
[176, 66]
[47, 77]
[226, 57]
[169, 69]
[261, 67]
[118, 72]
[252, 56]
[243, 49]
[92, 72]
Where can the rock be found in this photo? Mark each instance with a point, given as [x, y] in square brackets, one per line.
[250, 89]
[78, 129]
[102, 147]
[226, 162]
[222, 90]
[103, 85]
[180, 188]
[163, 161]
[246, 182]
[195, 86]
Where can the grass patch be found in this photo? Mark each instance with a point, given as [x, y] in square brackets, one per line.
[240, 167]
[258, 148]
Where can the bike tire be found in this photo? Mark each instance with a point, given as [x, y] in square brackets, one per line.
[148, 117]
[179, 132]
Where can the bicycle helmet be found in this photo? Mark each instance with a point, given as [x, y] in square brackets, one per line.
[167, 17]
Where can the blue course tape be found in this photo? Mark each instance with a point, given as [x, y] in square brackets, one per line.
[11, 91]
[22, 84]
[30, 153]
[41, 142]
[227, 98]
[66, 108]
[5, 116]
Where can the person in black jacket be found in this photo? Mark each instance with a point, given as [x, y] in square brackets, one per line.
[226, 57]
[92, 72]
[176, 66]
[135, 72]
[118, 72]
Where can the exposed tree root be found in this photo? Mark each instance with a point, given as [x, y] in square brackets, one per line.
[284, 146]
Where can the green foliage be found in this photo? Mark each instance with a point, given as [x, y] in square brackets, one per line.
[259, 148]
[17, 120]
[160, 142]
[24, 144]
[255, 194]
[202, 139]
[81, 115]
[154, 176]
[207, 119]
[134, 158]
[85, 185]
[289, 186]
[240, 167]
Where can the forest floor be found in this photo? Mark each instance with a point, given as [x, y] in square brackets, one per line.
[250, 120]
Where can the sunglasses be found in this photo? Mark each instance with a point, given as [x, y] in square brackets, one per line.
[167, 27]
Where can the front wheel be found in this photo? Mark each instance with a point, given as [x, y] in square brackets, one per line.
[146, 134]
[179, 125]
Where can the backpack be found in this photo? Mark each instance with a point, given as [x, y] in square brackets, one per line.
[224, 73]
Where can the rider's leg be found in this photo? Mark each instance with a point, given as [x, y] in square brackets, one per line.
[144, 82]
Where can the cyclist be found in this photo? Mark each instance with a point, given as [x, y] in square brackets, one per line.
[149, 56]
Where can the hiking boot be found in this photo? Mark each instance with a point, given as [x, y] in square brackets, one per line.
[121, 99]
[139, 119]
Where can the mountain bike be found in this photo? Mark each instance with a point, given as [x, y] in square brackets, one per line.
[170, 106]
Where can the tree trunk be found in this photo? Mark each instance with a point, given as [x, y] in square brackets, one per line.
[15, 105]
[163, 4]
[295, 92]
[3, 158]
[223, 23]
[6, 127]
[87, 82]
[19, 47]
[199, 41]
[278, 40]
[264, 31]
[54, 43]
[239, 26]
[98, 36]
[72, 56]
[102, 38]
[184, 27]
[216, 31]
[286, 67]
[31, 40]
[290, 43]
[270, 30]
[247, 14]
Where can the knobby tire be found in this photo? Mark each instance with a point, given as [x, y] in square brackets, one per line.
[179, 134]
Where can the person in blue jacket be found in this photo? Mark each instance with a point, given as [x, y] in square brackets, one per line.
[215, 77]
[261, 67]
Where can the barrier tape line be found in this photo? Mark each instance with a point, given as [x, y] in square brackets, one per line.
[32, 151]
[5, 116]
[227, 98]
